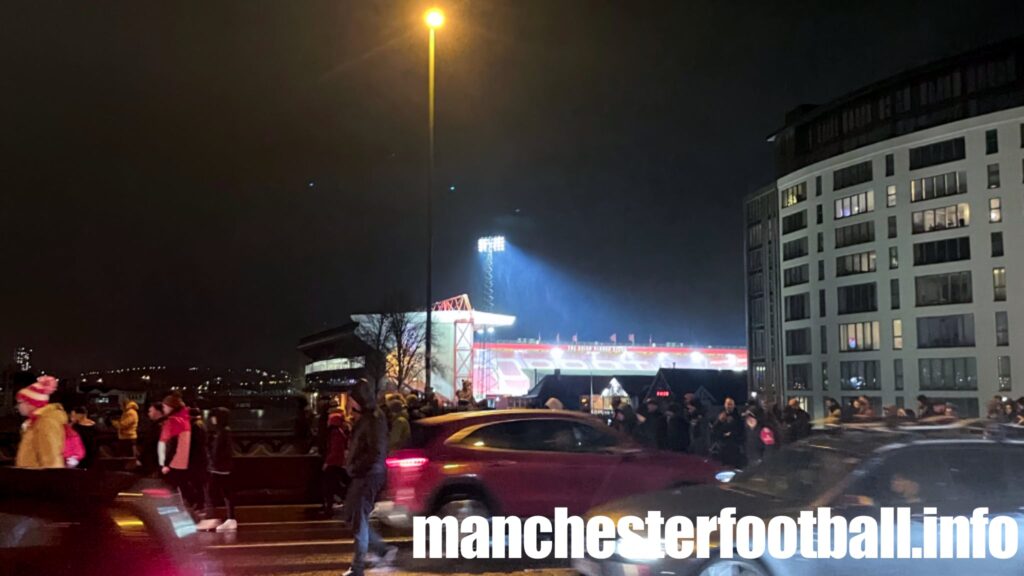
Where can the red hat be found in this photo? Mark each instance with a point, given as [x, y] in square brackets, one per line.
[38, 393]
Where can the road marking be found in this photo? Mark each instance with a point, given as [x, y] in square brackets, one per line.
[299, 543]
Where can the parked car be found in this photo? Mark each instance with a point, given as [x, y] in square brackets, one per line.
[523, 463]
[95, 523]
[855, 473]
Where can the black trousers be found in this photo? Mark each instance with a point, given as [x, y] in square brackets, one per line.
[218, 489]
[333, 482]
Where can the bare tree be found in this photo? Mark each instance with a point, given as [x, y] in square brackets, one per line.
[400, 339]
[376, 332]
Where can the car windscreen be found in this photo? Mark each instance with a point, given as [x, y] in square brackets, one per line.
[797, 473]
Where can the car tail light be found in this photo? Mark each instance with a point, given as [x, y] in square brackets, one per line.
[407, 460]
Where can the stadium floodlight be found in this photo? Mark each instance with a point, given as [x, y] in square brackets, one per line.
[490, 244]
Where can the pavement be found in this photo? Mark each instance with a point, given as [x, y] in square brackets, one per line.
[295, 541]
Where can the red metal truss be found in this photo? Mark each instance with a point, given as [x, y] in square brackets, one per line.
[458, 303]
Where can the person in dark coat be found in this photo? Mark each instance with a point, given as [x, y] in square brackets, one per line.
[678, 439]
[796, 420]
[220, 463]
[653, 430]
[367, 452]
[198, 461]
[727, 440]
[149, 438]
[754, 445]
[699, 431]
[623, 417]
[86, 429]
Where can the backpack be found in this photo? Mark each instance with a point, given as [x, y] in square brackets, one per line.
[74, 448]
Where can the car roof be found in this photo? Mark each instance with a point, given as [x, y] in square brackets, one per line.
[480, 416]
[864, 440]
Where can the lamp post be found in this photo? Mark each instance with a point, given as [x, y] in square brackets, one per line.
[434, 19]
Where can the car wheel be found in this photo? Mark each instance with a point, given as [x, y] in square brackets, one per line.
[463, 506]
[733, 568]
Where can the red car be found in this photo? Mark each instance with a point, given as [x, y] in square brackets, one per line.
[523, 463]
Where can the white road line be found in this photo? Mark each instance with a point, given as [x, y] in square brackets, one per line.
[298, 544]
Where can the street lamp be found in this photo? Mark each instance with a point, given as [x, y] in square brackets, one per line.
[434, 19]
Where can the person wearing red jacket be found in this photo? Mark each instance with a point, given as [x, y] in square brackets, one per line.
[175, 439]
[334, 480]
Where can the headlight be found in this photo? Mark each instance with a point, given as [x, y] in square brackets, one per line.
[640, 549]
[725, 476]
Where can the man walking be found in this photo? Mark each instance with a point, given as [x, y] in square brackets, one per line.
[366, 467]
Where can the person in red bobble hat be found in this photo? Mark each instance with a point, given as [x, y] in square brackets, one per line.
[42, 439]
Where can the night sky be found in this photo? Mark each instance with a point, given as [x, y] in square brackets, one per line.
[206, 182]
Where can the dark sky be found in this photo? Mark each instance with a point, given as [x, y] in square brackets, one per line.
[155, 204]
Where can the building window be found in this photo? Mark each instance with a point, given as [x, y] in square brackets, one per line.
[892, 227]
[817, 185]
[821, 304]
[1002, 329]
[939, 251]
[995, 210]
[947, 374]
[859, 263]
[756, 283]
[858, 233]
[821, 240]
[851, 175]
[794, 195]
[894, 258]
[821, 270]
[794, 248]
[857, 298]
[824, 375]
[894, 294]
[997, 244]
[1022, 135]
[940, 289]
[897, 373]
[991, 142]
[944, 218]
[798, 342]
[890, 195]
[859, 336]
[890, 165]
[795, 275]
[1003, 372]
[798, 306]
[798, 377]
[794, 222]
[999, 284]
[897, 334]
[859, 375]
[823, 339]
[993, 175]
[854, 204]
[938, 153]
[938, 186]
[820, 214]
[954, 331]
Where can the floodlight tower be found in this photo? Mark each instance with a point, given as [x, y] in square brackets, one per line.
[487, 246]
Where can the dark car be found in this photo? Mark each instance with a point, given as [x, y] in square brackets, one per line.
[88, 522]
[524, 463]
[855, 473]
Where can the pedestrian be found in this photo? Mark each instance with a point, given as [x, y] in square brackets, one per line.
[925, 408]
[464, 397]
[86, 429]
[220, 460]
[554, 404]
[334, 479]
[833, 412]
[653, 429]
[198, 461]
[678, 429]
[727, 442]
[175, 443]
[623, 417]
[796, 420]
[127, 427]
[365, 465]
[754, 443]
[149, 438]
[399, 432]
[699, 429]
[43, 433]
[865, 410]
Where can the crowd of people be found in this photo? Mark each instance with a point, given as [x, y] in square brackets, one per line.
[735, 436]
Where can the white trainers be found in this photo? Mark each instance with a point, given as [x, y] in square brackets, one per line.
[208, 525]
[229, 526]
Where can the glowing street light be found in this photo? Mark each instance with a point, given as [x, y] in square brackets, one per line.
[434, 18]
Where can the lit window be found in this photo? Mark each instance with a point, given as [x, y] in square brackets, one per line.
[993, 175]
[999, 284]
[897, 334]
[894, 258]
[995, 210]
[890, 196]
[1003, 369]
